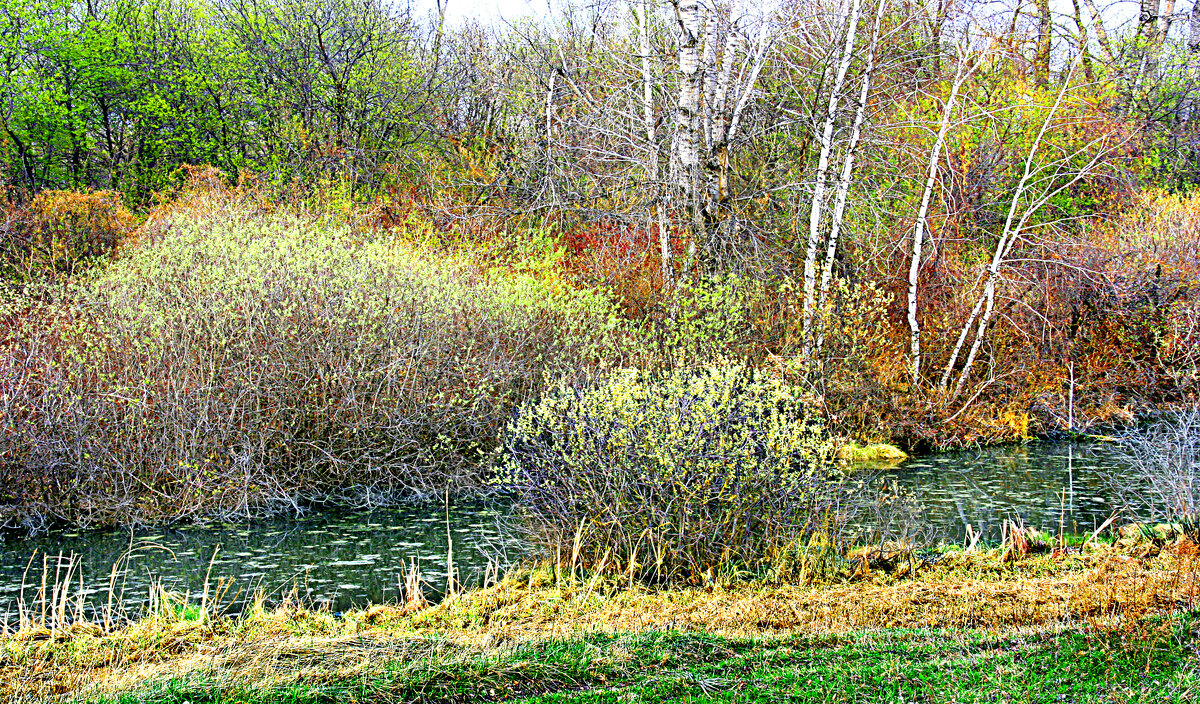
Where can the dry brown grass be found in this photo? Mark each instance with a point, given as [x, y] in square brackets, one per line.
[965, 590]
[1104, 588]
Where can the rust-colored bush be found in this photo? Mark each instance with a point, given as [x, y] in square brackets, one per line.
[623, 259]
[60, 231]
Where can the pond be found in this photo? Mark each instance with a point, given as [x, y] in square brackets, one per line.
[1049, 486]
[342, 560]
[331, 559]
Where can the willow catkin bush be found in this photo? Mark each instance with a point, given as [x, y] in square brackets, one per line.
[239, 364]
[674, 476]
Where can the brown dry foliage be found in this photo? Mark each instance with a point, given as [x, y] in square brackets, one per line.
[60, 231]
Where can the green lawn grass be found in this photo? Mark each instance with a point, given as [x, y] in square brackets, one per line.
[1153, 662]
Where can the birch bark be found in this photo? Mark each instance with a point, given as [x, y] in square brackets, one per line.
[1008, 236]
[652, 166]
[843, 186]
[689, 17]
[1194, 27]
[814, 213]
[922, 224]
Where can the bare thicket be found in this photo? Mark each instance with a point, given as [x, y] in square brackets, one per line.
[1162, 478]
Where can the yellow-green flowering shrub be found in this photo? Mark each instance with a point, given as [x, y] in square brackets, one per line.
[675, 475]
[241, 363]
[714, 318]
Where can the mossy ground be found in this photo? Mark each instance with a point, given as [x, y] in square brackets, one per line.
[1103, 625]
[874, 453]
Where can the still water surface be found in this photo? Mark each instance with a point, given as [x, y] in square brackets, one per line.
[1047, 486]
[332, 559]
[344, 560]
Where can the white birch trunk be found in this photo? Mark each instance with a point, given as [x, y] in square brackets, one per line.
[962, 339]
[690, 19]
[708, 63]
[1008, 236]
[718, 153]
[922, 224]
[1194, 27]
[652, 168]
[814, 214]
[1165, 20]
[550, 107]
[843, 186]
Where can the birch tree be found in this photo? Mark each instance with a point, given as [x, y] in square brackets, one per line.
[1040, 181]
[1194, 28]
[922, 225]
[1101, 32]
[843, 184]
[713, 99]
[690, 19]
[1041, 61]
[652, 157]
[825, 137]
[844, 178]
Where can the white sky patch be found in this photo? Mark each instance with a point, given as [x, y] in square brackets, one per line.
[1117, 13]
[486, 12]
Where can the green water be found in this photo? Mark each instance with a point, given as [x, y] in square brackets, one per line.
[1046, 485]
[334, 560]
[341, 560]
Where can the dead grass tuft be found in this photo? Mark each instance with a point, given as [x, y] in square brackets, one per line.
[984, 590]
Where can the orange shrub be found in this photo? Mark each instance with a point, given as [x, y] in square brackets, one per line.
[61, 230]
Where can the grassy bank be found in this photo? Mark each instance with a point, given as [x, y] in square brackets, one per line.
[881, 666]
[1099, 625]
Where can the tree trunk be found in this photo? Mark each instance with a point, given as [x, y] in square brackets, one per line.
[843, 185]
[652, 171]
[814, 213]
[1101, 33]
[1165, 20]
[1147, 39]
[1008, 236]
[922, 224]
[1041, 62]
[690, 18]
[1080, 27]
[1194, 28]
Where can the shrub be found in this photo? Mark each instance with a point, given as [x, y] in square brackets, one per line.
[709, 319]
[60, 231]
[675, 475]
[239, 364]
[1161, 480]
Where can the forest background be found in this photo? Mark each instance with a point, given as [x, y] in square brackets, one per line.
[948, 222]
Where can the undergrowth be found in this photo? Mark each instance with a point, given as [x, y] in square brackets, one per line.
[241, 363]
[675, 476]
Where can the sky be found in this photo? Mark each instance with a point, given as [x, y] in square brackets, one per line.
[486, 11]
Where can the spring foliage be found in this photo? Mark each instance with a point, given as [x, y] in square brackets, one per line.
[677, 475]
[61, 232]
[184, 378]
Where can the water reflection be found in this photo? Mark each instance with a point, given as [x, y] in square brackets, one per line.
[1047, 486]
[336, 560]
